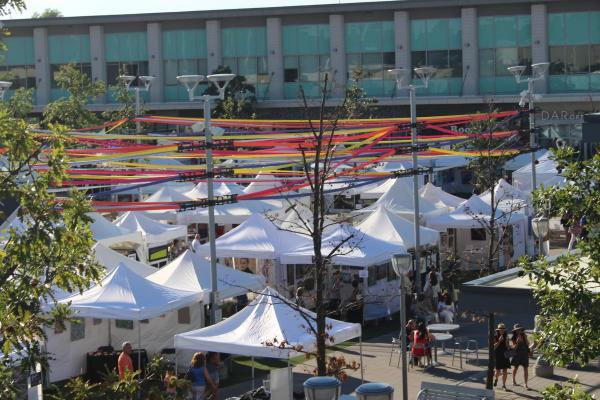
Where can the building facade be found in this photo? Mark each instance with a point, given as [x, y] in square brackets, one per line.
[470, 42]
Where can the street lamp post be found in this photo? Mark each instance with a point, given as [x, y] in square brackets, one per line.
[4, 86]
[541, 227]
[401, 264]
[146, 81]
[191, 82]
[403, 80]
[538, 72]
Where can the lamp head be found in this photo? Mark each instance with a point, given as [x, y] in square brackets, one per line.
[517, 71]
[540, 226]
[190, 82]
[425, 73]
[401, 75]
[538, 70]
[4, 86]
[127, 79]
[147, 80]
[402, 263]
[221, 81]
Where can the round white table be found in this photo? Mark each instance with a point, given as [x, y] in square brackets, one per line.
[443, 327]
[439, 337]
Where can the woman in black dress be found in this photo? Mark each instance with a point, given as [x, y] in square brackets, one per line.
[521, 347]
[500, 354]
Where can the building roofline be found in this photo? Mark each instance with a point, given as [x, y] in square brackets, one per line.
[255, 12]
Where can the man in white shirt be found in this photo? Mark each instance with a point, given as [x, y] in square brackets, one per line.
[196, 243]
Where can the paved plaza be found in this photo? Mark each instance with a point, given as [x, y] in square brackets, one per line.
[376, 356]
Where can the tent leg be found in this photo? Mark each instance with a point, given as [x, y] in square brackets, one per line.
[140, 345]
[109, 332]
[291, 385]
[252, 373]
[362, 368]
[176, 362]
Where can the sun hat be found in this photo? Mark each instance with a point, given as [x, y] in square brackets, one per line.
[517, 327]
[501, 326]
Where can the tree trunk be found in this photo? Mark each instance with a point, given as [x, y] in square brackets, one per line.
[321, 314]
[489, 383]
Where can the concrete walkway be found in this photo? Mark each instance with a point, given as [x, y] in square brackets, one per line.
[376, 357]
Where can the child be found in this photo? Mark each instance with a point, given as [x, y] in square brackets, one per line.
[170, 381]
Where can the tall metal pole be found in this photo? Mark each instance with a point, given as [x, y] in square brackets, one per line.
[215, 312]
[532, 141]
[138, 125]
[413, 134]
[403, 340]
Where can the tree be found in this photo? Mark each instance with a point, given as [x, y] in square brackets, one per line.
[7, 6]
[20, 105]
[240, 97]
[126, 99]
[357, 103]
[48, 13]
[566, 289]
[71, 111]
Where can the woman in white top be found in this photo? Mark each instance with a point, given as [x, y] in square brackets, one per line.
[446, 309]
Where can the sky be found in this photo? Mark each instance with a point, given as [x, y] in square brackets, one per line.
[71, 8]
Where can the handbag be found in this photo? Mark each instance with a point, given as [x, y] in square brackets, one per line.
[510, 353]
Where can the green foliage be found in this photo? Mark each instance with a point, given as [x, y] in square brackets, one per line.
[47, 13]
[79, 389]
[357, 103]
[240, 97]
[7, 6]
[71, 111]
[20, 105]
[126, 99]
[569, 391]
[567, 289]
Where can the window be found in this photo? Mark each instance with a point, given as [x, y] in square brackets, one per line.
[574, 51]
[124, 324]
[184, 53]
[254, 69]
[478, 234]
[382, 271]
[245, 52]
[77, 329]
[115, 69]
[183, 316]
[96, 321]
[85, 68]
[438, 43]
[391, 274]
[21, 76]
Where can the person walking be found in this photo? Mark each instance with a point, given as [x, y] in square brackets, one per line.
[520, 345]
[501, 353]
[575, 231]
[196, 243]
[446, 309]
[198, 375]
[213, 363]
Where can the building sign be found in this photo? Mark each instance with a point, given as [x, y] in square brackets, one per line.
[575, 116]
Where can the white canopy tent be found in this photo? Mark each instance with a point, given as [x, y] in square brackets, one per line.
[359, 249]
[504, 191]
[200, 191]
[269, 316]
[439, 197]
[122, 295]
[166, 194]
[545, 172]
[399, 199]
[380, 189]
[234, 213]
[297, 217]
[262, 182]
[108, 234]
[192, 273]
[389, 227]
[257, 237]
[154, 232]
[110, 259]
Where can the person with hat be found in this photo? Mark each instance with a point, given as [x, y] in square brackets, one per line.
[501, 354]
[520, 346]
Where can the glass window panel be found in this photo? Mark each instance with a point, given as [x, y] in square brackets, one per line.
[454, 33]
[506, 31]
[290, 40]
[524, 30]
[486, 62]
[577, 59]
[557, 60]
[354, 63]
[556, 29]
[418, 58]
[309, 39]
[507, 84]
[505, 58]
[389, 62]
[263, 70]
[169, 45]
[228, 42]
[353, 37]
[309, 68]
[438, 59]
[557, 83]
[203, 66]
[324, 63]
[112, 72]
[248, 68]
[290, 62]
[485, 32]
[595, 58]
[437, 34]
[577, 83]
[231, 63]
[487, 85]
[324, 39]
[418, 35]
[171, 72]
[188, 67]
[455, 62]
[595, 27]
[372, 66]
[525, 57]
[261, 41]
[577, 28]
[388, 37]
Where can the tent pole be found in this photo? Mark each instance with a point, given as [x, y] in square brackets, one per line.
[362, 368]
[252, 373]
[109, 332]
[176, 361]
[291, 374]
[140, 345]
